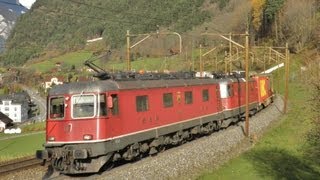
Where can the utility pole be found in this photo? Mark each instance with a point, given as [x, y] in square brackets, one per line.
[247, 84]
[230, 52]
[128, 51]
[286, 93]
[128, 35]
[225, 62]
[201, 60]
[246, 47]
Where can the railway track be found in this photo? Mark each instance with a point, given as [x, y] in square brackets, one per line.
[18, 164]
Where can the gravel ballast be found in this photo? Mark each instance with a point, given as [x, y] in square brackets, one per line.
[189, 160]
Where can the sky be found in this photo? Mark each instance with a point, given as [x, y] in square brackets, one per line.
[27, 3]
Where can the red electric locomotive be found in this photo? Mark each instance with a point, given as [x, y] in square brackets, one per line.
[91, 124]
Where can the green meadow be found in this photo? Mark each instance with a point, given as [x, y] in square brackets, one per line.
[18, 146]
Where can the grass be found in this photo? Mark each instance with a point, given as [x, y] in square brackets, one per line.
[281, 153]
[151, 64]
[69, 59]
[14, 146]
[77, 59]
[41, 126]
[21, 146]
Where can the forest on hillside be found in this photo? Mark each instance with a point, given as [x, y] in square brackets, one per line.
[65, 25]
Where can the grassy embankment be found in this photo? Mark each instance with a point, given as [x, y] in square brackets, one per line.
[14, 146]
[77, 59]
[67, 60]
[282, 153]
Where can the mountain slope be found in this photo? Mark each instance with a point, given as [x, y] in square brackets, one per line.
[66, 25]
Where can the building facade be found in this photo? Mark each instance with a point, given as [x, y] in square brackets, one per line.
[52, 81]
[13, 111]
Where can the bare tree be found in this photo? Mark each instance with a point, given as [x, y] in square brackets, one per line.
[299, 22]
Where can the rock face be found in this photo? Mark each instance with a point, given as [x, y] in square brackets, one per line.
[9, 12]
[7, 20]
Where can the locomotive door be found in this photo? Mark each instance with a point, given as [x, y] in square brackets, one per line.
[179, 105]
[218, 98]
[112, 127]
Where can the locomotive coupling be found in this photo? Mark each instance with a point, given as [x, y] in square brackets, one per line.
[80, 154]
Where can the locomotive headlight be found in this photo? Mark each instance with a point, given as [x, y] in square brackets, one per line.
[51, 138]
[87, 137]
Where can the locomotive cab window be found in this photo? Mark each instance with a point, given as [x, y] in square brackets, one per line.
[83, 105]
[141, 103]
[56, 108]
[230, 90]
[167, 100]
[188, 97]
[226, 90]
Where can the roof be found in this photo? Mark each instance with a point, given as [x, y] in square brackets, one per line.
[16, 98]
[110, 85]
[4, 118]
[49, 78]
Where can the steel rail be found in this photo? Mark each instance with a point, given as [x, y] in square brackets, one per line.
[18, 164]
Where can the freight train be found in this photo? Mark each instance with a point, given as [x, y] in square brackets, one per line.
[93, 124]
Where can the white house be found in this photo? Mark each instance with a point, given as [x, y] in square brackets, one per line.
[52, 81]
[13, 111]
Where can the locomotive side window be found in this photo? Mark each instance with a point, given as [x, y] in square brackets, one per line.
[188, 97]
[115, 103]
[83, 106]
[56, 108]
[142, 103]
[103, 106]
[230, 90]
[205, 95]
[167, 100]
